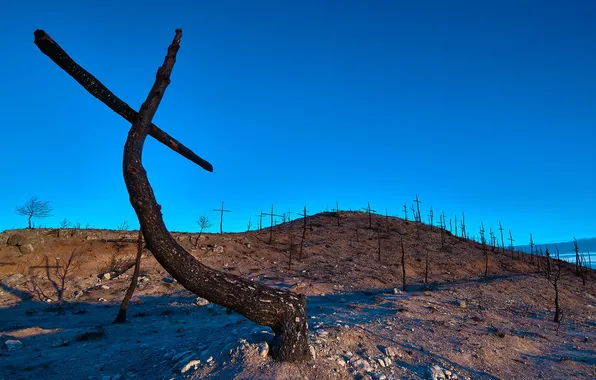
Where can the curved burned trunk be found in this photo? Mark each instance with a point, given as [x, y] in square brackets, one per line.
[283, 311]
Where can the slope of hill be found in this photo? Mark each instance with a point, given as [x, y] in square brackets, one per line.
[362, 325]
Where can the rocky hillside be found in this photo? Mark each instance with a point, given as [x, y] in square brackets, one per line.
[460, 324]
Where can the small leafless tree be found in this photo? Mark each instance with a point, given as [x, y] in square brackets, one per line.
[248, 225]
[204, 224]
[57, 278]
[124, 226]
[34, 208]
[65, 223]
[121, 317]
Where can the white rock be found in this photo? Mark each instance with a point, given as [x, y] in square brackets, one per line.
[263, 349]
[191, 364]
[200, 301]
[13, 345]
[106, 276]
[435, 373]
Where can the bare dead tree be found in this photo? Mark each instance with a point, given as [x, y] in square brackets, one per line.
[502, 239]
[221, 211]
[554, 278]
[303, 234]
[121, 317]
[430, 218]
[463, 226]
[483, 241]
[337, 211]
[418, 216]
[442, 227]
[57, 279]
[260, 216]
[368, 210]
[282, 310]
[406, 213]
[204, 224]
[272, 215]
[248, 225]
[577, 259]
[34, 208]
[403, 263]
[511, 244]
[455, 223]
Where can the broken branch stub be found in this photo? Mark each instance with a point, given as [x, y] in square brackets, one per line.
[283, 311]
[90, 83]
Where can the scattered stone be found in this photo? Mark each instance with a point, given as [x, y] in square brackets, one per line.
[462, 304]
[341, 362]
[13, 345]
[378, 376]
[105, 287]
[106, 276]
[218, 249]
[313, 352]
[381, 362]
[396, 291]
[200, 301]
[263, 349]
[168, 280]
[435, 373]
[92, 333]
[194, 364]
[362, 364]
[60, 343]
[26, 248]
[390, 351]
[248, 245]
[100, 299]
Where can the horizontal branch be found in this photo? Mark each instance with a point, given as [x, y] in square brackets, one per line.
[50, 48]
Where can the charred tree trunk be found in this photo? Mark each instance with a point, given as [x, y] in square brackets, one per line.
[283, 311]
[403, 265]
[121, 317]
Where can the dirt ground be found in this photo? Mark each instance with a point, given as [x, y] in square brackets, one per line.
[459, 325]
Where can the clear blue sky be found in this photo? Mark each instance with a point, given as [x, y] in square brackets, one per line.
[486, 107]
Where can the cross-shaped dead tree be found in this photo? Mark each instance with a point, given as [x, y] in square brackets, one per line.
[272, 215]
[221, 210]
[368, 210]
[282, 310]
[511, 244]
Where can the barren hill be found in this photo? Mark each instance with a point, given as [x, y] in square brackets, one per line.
[362, 324]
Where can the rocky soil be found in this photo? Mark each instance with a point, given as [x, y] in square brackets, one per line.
[363, 325]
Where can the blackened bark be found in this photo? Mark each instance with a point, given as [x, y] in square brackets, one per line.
[283, 311]
[121, 317]
[50, 48]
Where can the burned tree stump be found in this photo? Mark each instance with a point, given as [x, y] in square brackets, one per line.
[282, 310]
